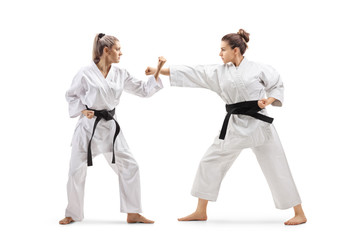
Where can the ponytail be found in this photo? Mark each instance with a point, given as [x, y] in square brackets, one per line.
[100, 42]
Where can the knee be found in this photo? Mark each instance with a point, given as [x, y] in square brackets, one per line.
[78, 168]
[129, 164]
[126, 160]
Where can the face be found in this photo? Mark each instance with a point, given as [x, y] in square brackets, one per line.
[114, 53]
[226, 53]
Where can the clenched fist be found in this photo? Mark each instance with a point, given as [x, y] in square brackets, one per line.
[156, 71]
[265, 102]
[150, 71]
[88, 113]
[161, 62]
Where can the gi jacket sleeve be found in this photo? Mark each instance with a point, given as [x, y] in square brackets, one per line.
[273, 84]
[199, 76]
[74, 96]
[141, 88]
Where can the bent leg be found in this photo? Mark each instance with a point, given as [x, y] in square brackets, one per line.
[211, 171]
[274, 165]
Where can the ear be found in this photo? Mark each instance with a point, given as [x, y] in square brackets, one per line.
[237, 50]
[106, 50]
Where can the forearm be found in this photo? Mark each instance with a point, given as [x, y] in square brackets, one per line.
[263, 103]
[165, 71]
[270, 100]
[161, 63]
[160, 71]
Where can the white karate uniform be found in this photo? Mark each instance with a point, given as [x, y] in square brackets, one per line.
[247, 82]
[89, 87]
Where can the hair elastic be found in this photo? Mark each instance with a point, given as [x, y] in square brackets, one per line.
[101, 35]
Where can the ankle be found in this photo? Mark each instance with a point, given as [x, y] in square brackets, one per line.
[201, 211]
[133, 214]
[301, 214]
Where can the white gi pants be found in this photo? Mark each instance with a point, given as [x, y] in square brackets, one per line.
[129, 182]
[272, 160]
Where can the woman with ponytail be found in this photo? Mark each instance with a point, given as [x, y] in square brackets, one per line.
[247, 88]
[94, 93]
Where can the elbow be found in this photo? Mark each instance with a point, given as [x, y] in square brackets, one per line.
[74, 115]
[277, 103]
[147, 94]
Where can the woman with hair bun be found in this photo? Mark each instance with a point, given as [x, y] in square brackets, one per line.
[247, 88]
[94, 93]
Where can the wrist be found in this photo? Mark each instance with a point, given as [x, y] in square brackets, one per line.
[271, 100]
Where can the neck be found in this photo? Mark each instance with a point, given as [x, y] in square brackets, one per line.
[104, 66]
[238, 60]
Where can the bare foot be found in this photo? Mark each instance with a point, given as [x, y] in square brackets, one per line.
[196, 216]
[66, 220]
[298, 219]
[137, 218]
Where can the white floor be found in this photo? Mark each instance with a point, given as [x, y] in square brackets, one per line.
[243, 213]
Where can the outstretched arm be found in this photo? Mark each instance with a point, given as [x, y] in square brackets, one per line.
[152, 71]
[159, 69]
[198, 76]
[145, 88]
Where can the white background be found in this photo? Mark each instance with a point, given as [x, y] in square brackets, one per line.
[313, 44]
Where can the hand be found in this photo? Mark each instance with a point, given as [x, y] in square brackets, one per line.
[265, 102]
[150, 71]
[161, 63]
[88, 113]
[262, 103]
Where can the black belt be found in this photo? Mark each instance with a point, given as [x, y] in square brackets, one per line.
[250, 108]
[107, 115]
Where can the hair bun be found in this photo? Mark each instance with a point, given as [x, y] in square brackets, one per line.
[244, 35]
[101, 35]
